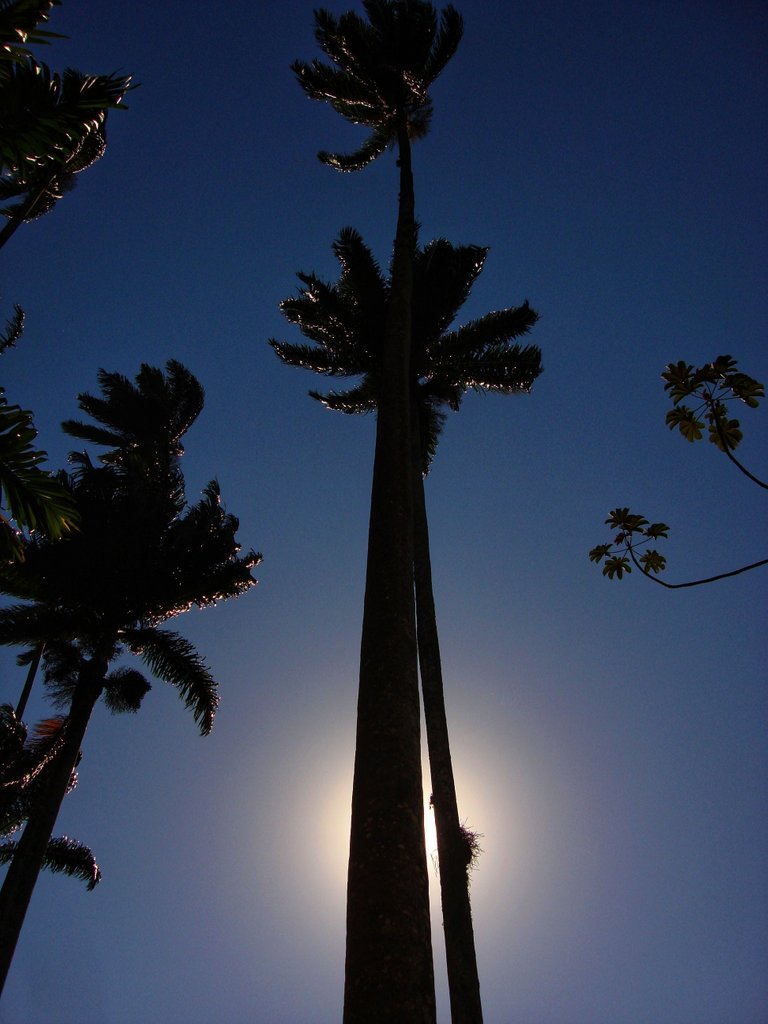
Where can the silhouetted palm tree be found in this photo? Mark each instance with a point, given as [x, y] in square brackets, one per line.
[140, 557]
[379, 76]
[51, 126]
[345, 322]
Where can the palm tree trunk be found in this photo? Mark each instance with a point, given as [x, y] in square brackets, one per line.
[453, 852]
[21, 707]
[25, 867]
[389, 974]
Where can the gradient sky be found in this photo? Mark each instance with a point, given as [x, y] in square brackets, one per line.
[609, 739]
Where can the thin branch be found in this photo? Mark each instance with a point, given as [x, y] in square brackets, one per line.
[693, 583]
[729, 452]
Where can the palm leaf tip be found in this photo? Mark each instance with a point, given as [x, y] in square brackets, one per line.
[63, 855]
[74, 859]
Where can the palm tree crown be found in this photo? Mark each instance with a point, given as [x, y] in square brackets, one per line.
[381, 70]
[344, 322]
[141, 555]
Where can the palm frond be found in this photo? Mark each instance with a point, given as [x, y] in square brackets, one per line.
[497, 368]
[174, 660]
[124, 690]
[376, 143]
[310, 357]
[445, 43]
[362, 284]
[62, 855]
[149, 415]
[443, 278]
[14, 328]
[25, 625]
[342, 89]
[493, 329]
[19, 21]
[34, 498]
[201, 558]
[431, 423]
[361, 399]
[46, 117]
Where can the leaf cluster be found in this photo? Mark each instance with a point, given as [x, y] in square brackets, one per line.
[714, 385]
[632, 531]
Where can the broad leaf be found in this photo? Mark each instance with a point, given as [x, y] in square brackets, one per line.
[598, 553]
[652, 561]
[616, 567]
[687, 423]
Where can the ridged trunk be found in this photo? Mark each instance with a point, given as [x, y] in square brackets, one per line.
[389, 975]
[27, 861]
[453, 852]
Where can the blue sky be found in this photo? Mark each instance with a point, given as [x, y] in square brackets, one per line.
[609, 739]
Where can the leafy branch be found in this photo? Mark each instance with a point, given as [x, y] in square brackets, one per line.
[713, 385]
[634, 533]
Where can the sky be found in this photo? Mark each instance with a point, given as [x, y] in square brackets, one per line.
[609, 739]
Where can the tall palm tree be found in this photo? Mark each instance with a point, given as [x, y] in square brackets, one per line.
[141, 556]
[344, 322]
[379, 76]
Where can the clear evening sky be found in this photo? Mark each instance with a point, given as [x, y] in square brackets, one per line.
[609, 738]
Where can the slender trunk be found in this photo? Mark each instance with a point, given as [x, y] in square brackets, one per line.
[389, 973]
[33, 666]
[25, 867]
[453, 852]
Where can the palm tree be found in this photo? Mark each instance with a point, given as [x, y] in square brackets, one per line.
[379, 76]
[51, 126]
[344, 322]
[141, 557]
